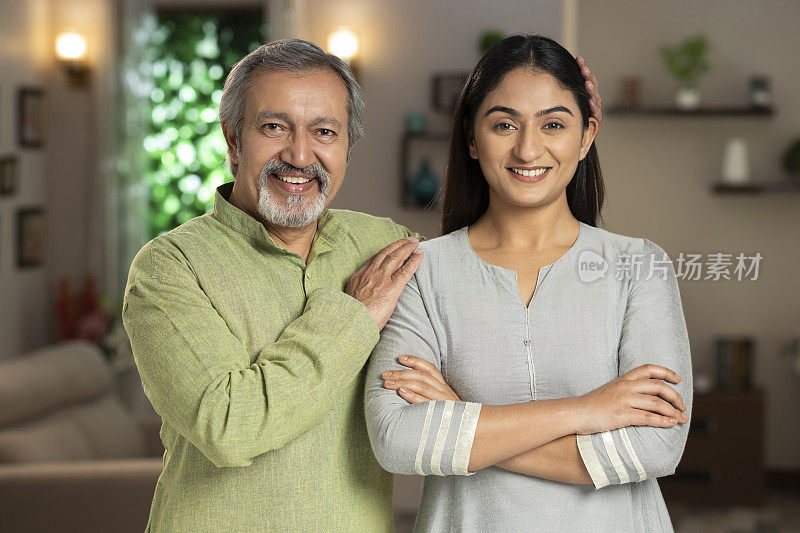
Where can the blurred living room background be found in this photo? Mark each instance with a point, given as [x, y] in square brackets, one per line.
[109, 137]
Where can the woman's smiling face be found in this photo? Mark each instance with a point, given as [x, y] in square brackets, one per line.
[528, 138]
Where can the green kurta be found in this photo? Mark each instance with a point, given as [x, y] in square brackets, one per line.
[254, 360]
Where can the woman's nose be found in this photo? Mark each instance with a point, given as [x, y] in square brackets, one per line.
[529, 145]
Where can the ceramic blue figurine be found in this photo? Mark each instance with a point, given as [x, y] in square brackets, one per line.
[425, 184]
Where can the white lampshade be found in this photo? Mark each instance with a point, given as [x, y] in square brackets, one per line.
[71, 46]
[343, 43]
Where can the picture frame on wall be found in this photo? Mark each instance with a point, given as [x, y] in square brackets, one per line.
[30, 237]
[9, 175]
[446, 89]
[31, 117]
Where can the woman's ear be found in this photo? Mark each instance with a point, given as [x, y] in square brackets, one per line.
[588, 137]
[473, 151]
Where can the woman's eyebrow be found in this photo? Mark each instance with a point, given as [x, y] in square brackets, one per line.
[514, 113]
[502, 109]
[544, 112]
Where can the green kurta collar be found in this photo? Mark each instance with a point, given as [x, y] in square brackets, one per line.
[330, 231]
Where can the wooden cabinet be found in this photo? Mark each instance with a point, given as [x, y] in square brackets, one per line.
[723, 462]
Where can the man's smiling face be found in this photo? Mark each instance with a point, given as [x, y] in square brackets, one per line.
[294, 145]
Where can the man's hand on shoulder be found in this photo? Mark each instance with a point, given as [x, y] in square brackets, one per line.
[380, 281]
[594, 93]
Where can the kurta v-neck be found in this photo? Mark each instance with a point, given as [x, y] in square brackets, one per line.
[463, 238]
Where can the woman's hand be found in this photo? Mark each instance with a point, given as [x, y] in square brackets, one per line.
[422, 384]
[594, 93]
[637, 398]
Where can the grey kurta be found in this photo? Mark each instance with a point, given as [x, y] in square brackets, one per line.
[584, 327]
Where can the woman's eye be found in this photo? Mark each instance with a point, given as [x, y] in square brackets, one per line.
[504, 126]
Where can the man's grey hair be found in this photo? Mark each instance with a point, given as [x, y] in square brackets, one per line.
[287, 54]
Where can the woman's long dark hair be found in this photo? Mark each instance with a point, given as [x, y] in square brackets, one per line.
[466, 193]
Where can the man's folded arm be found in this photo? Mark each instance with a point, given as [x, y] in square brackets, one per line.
[199, 376]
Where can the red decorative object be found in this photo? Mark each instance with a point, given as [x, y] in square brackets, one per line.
[81, 316]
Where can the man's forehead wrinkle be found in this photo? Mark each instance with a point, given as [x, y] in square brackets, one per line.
[264, 115]
[278, 115]
[326, 120]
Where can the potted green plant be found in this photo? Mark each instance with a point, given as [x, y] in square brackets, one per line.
[791, 160]
[488, 39]
[686, 61]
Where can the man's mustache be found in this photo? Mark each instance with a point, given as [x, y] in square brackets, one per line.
[314, 170]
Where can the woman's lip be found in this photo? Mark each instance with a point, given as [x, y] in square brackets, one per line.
[529, 179]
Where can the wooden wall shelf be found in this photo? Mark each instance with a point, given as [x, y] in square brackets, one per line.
[722, 111]
[777, 187]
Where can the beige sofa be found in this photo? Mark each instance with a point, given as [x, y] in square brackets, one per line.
[71, 457]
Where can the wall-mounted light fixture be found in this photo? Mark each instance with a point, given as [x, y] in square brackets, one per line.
[343, 43]
[71, 53]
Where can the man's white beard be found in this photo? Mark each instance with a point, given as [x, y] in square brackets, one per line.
[296, 211]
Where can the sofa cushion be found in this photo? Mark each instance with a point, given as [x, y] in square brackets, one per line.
[53, 439]
[111, 432]
[45, 380]
[100, 429]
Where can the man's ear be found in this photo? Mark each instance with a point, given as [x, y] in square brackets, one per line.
[232, 141]
[588, 137]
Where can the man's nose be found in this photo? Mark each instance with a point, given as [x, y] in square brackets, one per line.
[529, 146]
[298, 151]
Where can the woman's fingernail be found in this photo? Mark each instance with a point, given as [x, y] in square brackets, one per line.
[401, 389]
[673, 420]
[390, 382]
[404, 358]
[386, 374]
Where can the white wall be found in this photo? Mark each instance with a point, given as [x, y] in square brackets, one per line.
[63, 177]
[659, 171]
[24, 61]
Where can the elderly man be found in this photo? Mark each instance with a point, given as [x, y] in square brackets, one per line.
[251, 324]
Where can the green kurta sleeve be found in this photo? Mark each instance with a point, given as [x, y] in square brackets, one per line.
[197, 375]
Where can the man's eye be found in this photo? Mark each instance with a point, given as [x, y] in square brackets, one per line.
[326, 132]
[557, 125]
[271, 126]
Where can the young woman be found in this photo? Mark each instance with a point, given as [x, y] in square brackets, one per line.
[537, 394]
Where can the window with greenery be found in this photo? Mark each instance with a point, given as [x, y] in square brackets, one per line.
[192, 54]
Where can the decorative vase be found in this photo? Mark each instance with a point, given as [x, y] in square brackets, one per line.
[425, 184]
[760, 95]
[687, 98]
[735, 164]
[416, 122]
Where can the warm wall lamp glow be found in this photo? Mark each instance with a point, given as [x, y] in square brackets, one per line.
[343, 43]
[71, 53]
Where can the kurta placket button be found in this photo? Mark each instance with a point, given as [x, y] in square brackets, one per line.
[527, 342]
